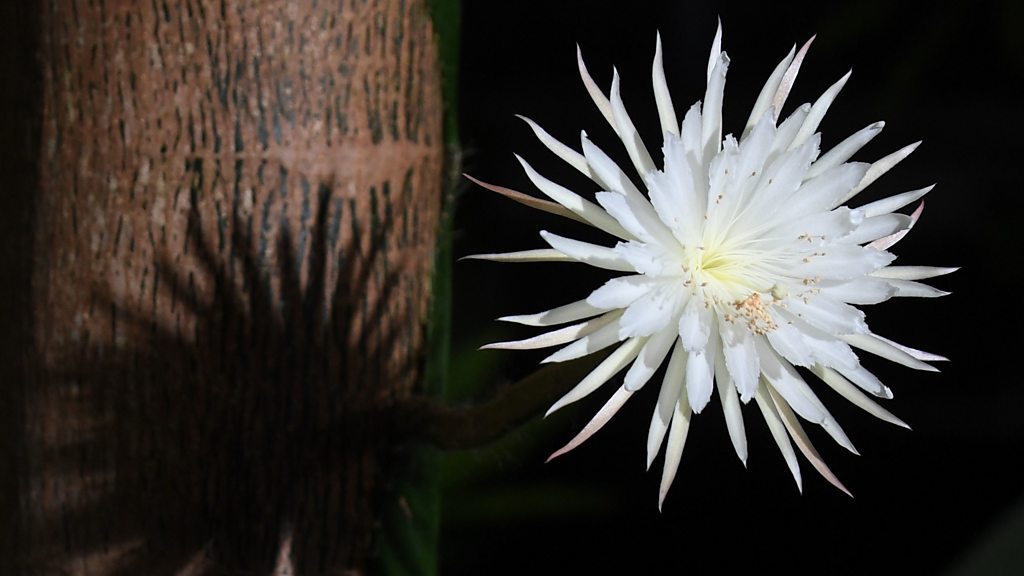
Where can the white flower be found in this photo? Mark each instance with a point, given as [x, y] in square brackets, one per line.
[741, 263]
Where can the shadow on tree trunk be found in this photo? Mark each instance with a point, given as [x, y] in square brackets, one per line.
[253, 441]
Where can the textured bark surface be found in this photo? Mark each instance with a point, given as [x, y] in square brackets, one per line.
[233, 241]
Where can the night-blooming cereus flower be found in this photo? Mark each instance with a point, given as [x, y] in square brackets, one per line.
[740, 263]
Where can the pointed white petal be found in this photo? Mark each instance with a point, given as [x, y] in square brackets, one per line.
[542, 255]
[863, 290]
[855, 396]
[778, 430]
[611, 365]
[889, 241]
[570, 156]
[597, 422]
[844, 150]
[527, 200]
[671, 388]
[597, 256]
[674, 448]
[818, 110]
[880, 167]
[731, 408]
[842, 262]
[600, 339]
[764, 99]
[649, 360]
[796, 431]
[784, 379]
[711, 130]
[595, 93]
[586, 209]
[700, 374]
[555, 337]
[741, 359]
[786, 84]
[567, 313]
[894, 203]
[919, 354]
[870, 343]
[627, 132]
[820, 194]
[716, 51]
[912, 272]
[866, 381]
[824, 313]
[911, 289]
[876, 227]
[666, 113]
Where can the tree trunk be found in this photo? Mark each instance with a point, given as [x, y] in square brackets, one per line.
[231, 255]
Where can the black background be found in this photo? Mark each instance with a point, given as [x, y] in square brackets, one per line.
[944, 498]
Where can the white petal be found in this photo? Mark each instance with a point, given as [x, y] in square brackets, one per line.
[912, 272]
[778, 430]
[636, 216]
[649, 360]
[581, 206]
[821, 194]
[741, 359]
[595, 93]
[785, 380]
[597, 256]
[863, 290]
[919, 354]
[877, 227]
[700, 374]
[611, 365]
[824, 313]
[674, 448]
[527, 200]
[570, 156]
[622, 291]
[796, 431]
[651, 312]
[891, 240]
[894, 203]
[764, 98]
[844, 150]
[555, 337]
[598, 340]
[731, 408]
[866, 381]
[842, 262]
[678, 193]
[650, 259]
[627, 132]
[872, 344]
[666, 113]
[786, 84]
[911, 289]
[855, 396]
[567, 313]
[818, 110]
[597, 422]
[671, 388]
[716, 51]
[711, 130]
[695, 324]
[879, 168]
[542, 255]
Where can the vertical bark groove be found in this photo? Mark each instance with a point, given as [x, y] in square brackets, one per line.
[235, 226]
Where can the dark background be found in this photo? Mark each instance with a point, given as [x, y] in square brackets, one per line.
[945, 498]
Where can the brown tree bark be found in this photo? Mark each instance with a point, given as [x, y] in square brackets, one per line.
[231, 255]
